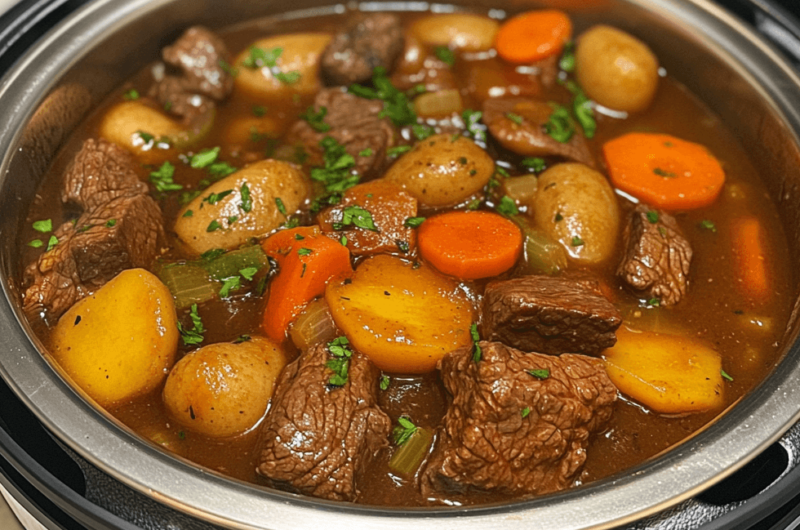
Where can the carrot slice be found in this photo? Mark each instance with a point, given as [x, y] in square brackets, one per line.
[307, 260]
[664, 171]
[533, 36]
[751, 257]
[470, 245]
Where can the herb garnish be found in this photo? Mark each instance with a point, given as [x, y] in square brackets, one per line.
[340, 364]
[472, 120]
[131, 95]
[43, 226]
[162, 178]
[248, 273]
[652, 216]
[194, 335]
[576, 241]
[524, 412]
[384, 382]
[358, 217]
[398, 150]
[664, 173]
[204, 158]
[445, 54]
[422, 131]
[403, 431]
[304, 251]
[413, 222]
[567, 61]
[365, 152]
[337, 175]
[559, 126]
[516, 118]
[280, 205]
[507, 206]
[708, 225]
[536, 164]
[725, 375]
[111, 223]
[228, 284]
[259, 110]
[654, 302]
[260, 58]
[36, 243]
[52, 242]
[582, 108]
[540, 373]
[316, 119]
[477, 352]
[247, 202]
[213, 226]
[396, 104]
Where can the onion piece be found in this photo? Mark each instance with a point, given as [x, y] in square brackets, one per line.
[314, 325]
[521, 189]
[542, 254]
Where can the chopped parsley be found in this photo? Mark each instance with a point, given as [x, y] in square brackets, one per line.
[204, 158]
[413, 222]
[654, 302]
[218, 170]
[524, 412]
[131, 95]
[507, 206]
[540, 373]
[52, 242]
[535, 164]
[214, 198]
[232, 219]
[472, 120]
[316, 119]
[304, 251]
[242, 338]
[340, 364]
[194, 335]
[516, 118]
[280, 205]
[248, 273]
[477, 352]
[402, 246]
[559, 217]
[396, 103]
[445, 54]
[664, 173]
[708, 225]
[214, 253]
[44, 226]
[652, 216]
[36, 243]
[725, 375]
[582, 108]
[567, 61]
[145, 136]
[229, 284]
[365, 152]
[298, 237]
[422, 131]
[358, 217]
[162, 178]
[398, 150]
[559, 126]
[260, 58]
[213, 226]
[404, 430]
[259, 110]
[111, 223]
[576, 241]
[385, 382]
[343, 241]
[336, 175]
[227, 68]
[247, 202]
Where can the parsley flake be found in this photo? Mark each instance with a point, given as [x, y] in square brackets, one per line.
[507, 206]
[228, 284]
[340, 364]
[280, 205]
[516, 118]
[559, 126]
[111, 223]
[445, 54]
[404, 430]
[316, 119]
[304, 251]
[477, 352]
[365, 152]
[358, 217]
[567, 61]
[52, 242]
[652, 216]
[131, 95]
[725, 375]
[213, 226]
[540, 373]
[524, 412]
[398, 150]
[664, 173]
[336, 175]
[36, 243]
[247, 202]
[708, 225]
[162, 178]
[413, 222]
[385, 382]
[204, 158]
[259, 110]
[472, 120]
[194, 335]
[248, 273]
[396, 104]
[576, 241]
[43, 226]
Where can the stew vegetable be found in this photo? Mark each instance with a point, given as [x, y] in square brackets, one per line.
[408, 259]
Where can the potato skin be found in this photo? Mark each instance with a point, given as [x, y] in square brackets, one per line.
[119, 342]
[616, 69]
[441, 171]
[588, 210]
[223, 389]
[121, 124]
[460, 31]
[403, 318]
[267, 180]
[301, 53]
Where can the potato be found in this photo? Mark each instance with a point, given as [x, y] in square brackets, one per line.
[668, 373]
[123, 124]
[226, 224]
[443, 170]
[246, 129]
[576, 206]
[119, 342]
[616, 69]
[459, 31]
[403, 318]
[301, 53]
[223, 389]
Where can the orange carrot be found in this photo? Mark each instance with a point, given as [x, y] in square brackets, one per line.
[470, 245]
[533, 36]
[751, 257]
[307, 260]
[664, 171]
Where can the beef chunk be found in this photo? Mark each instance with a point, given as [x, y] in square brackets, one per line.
[657, 257]
[120, 228]
[529, 137]
[376, 40]
[354, 123]
[317, 439]
[512, 432]
[550, 315]
[199, 58]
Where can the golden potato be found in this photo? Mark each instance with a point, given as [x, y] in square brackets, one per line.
[668, 373]
[459, 31]
[119, 342]
[226, 224]
[442, 170]
[300, 56]
[223, 389]
[403, 318]
[138, 128]
[576, 206]
[616, 69]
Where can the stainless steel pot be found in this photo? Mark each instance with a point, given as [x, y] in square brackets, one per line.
[64, 76]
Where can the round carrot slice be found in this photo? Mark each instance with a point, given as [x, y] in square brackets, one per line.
[664, 171]
[533, 36]
[470, 245]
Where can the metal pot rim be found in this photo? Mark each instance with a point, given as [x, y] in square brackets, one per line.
[724, 446]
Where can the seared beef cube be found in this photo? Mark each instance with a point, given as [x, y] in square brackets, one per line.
[354, 123]
[519, 423]
[203, 74]
[317, 438]
[550, 315]
[657, 257]
[376, 40]
[121, 228]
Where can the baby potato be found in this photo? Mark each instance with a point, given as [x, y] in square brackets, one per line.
[301, 53]
[616, 69]
[119, 342]
[138, 128]
[223, 389]
[458, 31]
[403, 318]
[576, 206]
[442, 171]
[226, 223]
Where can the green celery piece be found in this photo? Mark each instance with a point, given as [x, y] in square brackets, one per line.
[188, 283]
[230, 263]
[407, 458]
